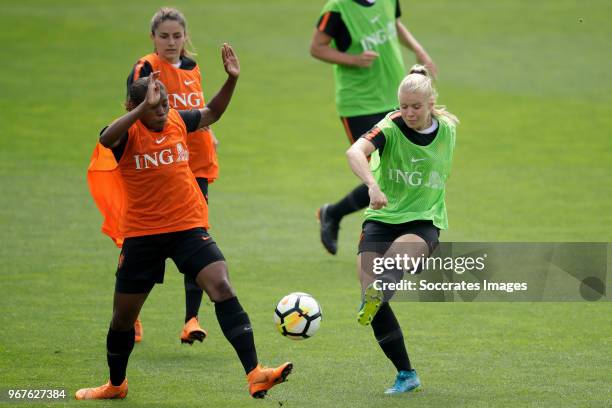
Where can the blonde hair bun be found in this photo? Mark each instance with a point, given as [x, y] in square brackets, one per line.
[419, 69]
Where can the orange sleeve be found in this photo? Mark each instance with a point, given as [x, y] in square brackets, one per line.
[372, 133]
[107, 190]
[324, 21]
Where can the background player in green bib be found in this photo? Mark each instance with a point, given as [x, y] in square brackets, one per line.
[362, 39]
[411, 153]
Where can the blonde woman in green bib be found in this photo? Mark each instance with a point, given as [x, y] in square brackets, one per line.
[410, 152]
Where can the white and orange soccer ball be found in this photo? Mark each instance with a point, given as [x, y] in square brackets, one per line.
[298, 316]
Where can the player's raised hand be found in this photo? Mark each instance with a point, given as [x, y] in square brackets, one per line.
[365, 59]
[230, 61]
[153, 90]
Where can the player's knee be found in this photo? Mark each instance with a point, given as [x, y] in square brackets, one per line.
[222, 290]
[121, 322]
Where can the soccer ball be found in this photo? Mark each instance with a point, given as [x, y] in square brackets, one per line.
[298, 316]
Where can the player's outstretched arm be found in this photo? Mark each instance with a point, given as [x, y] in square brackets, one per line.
[213, 111]
[408, 40]
[357, 156]
[116, 131]
[321, 49]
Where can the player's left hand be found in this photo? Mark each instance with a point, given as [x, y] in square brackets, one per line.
[230, 61]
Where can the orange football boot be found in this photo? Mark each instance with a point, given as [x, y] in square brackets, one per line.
[106, 391]
[192, 332]
[261, 379]
[138, 331]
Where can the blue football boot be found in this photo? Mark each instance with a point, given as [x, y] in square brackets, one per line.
[406, 381]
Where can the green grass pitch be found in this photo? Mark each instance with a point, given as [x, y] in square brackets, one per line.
[530, 81]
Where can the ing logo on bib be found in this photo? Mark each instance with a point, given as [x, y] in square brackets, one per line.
[415, 178]
[161, 157]
[185, 100]
[379, 37]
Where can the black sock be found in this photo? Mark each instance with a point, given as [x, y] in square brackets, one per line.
[390, 338]
[353, 201]
[119, 345]
[193, 297]
[237, 329]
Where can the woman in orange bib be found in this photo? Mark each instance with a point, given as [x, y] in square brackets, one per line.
[165, 216]
[182, 79]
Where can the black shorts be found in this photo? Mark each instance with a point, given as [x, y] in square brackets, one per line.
[357, 126]
[378, 236]
[142, 261]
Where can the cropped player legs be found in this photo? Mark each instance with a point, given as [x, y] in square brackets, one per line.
[193, 292]
[193, 297]
[234, 321]
[385, 326]
[120, 337]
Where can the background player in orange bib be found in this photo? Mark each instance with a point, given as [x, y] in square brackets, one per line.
[165, 216]
[182, 79]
